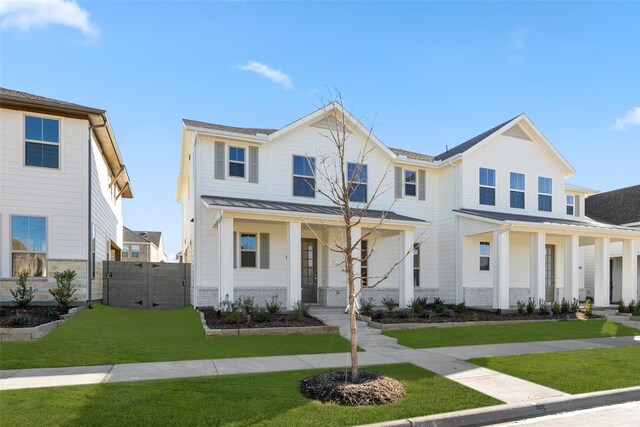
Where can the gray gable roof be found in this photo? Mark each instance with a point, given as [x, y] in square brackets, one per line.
[130, 236]
[412, 155]
[6, 94]
[224, 128]
[620, 206]
[302, 208]
[458, 149]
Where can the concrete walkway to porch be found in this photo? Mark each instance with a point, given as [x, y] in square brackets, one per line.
[379, 349]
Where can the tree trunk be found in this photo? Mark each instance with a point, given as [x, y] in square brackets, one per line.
[354, 331]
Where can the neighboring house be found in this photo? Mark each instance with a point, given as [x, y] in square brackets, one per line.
[142, 246]
[619, 207]
[62, 180]
[499, 222]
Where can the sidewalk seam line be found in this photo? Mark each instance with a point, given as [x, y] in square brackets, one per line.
[106, 376]
[215, 367]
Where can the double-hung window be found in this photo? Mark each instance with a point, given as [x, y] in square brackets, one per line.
[42, 142]
[135, 251]
[357, 176]
[410, 180]
[416, 264]
[487, 186]
[485, 256]
[125, 251]
[364, 262]
[517, 190]
[29, 245]
[304, 181]
[236, 162]
[544, 194]
[571, 204]
[248, 250]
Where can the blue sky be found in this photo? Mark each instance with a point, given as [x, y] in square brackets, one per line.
[433, 74]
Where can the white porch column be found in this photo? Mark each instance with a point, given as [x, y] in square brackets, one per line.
[536, 287]
[294, 236]
[629, 270]
[501, 269]
[356, 233]
[406, 267]
[572, 267]
[225, 251]
[601, 292]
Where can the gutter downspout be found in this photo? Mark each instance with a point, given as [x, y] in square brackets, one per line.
[89, 212]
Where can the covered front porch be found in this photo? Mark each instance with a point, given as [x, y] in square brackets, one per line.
[506, 258]
[259, 252]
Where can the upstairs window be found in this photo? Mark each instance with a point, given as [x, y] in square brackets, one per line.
[304, 181]
[358, 174]
[135, 251]
[42, 142]
[125, 251]
[571, 203]
[487, 186]
[517, 190]
[236, 162]
[485, 256]
[544, 194]
[410, 180]
[29, 245]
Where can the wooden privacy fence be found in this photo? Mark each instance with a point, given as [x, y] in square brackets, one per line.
[147, 285]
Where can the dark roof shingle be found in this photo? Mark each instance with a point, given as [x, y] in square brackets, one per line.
[620, 206]
[131, 236]
[224, 128]
[10, 93]
[412, 155]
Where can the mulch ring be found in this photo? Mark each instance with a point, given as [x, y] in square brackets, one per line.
[13, 317]
[371, 388]
[470, 315]
[216, 320]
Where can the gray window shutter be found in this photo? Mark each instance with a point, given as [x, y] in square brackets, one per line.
[219, 167]
[422, 185]
[398, 183]
[253, 164]
[576, 209]
[235, 250]
[264, 250]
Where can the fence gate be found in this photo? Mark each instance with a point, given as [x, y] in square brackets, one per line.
[149, 285]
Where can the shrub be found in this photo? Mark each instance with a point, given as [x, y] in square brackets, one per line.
[20, 320]
[460, 308]
[231, 310]
[249, 305]
[52, 311]
[428, 314]
[64, 290]
[233, 317]
[556, 308]
[23, 295]
[402, 314]
[632, 306]
[274, 306]
[565, 306]
[366, 306]
[438, 301]
[262, 315]
[418, 305]
[300, 310]
[439, 308]
[621, 306]
[588, 307]
[531, 306]
[575, 305]
[521, 306]
[543, 306]
[389, 303]
[637, 310]
[378, 315]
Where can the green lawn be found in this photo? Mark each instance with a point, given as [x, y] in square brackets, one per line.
[509, 333]
[107, 335]
[270, 399]
[579, 371]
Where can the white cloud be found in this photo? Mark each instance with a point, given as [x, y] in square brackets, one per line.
[272, 74]
[517, 39]
[26, 14]
[632, 118]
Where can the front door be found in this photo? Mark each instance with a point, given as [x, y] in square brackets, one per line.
[550, 273]
[309, 271]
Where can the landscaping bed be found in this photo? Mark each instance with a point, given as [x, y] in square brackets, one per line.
[217, 320]
[28, 317]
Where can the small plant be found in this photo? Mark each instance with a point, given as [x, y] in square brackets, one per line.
[274, 306]
[632, 306]
[20, 320]
[588, 307]
[389, 303]
[231, 310]
[64, 290]
[565, 306]
[621, 306]
[418, 305]
[428, 314]
[460, 308]
[23, 295]
[378, 315]
[300, 310]
[402, 314]
[262, 315]
[556, 308]
[366, 306]
[52, 311]
[575, 305]
[521, 306]
[543, 307]
[249, 305]
[637, 310]
[438, 301]
[439, 308]
[531, 305]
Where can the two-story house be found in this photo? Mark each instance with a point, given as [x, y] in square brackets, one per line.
[62, 180]
[142, 246]
[494, 219]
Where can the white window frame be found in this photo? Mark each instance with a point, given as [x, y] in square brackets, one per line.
[243, 177]
[488, 244]
[294, 176]
[132, 251]
[359, 183]
[416, 247]
[488, 186]
[542, 193]
[125, 250]
[46, 244]
[414, 182]
[34, 141]
[364, 263]
[256, 250]
[571, 205]
[518, 190]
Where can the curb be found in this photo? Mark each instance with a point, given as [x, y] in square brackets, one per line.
[518, 411]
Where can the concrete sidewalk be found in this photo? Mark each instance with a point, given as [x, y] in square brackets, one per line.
[380, 349]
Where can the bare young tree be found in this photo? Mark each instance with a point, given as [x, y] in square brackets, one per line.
[341, 170]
